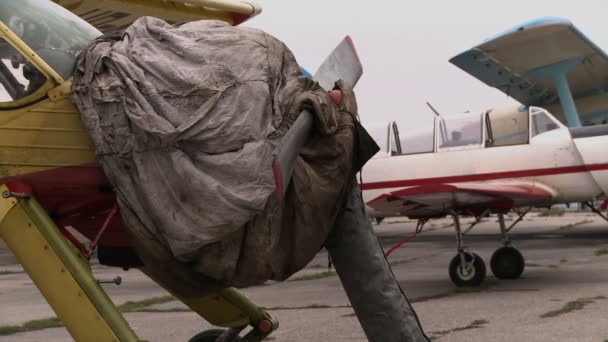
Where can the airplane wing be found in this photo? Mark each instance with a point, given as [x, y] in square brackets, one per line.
[115, 15]
[440, 199]
[524, 61]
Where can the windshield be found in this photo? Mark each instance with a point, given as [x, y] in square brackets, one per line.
[18, 77]
[460, 130]
[53, 32]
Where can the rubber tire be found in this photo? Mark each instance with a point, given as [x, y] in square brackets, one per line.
[479, 271]
[210, 336]
[507, 263]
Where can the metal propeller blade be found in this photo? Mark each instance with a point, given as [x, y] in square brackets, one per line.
[343, 63]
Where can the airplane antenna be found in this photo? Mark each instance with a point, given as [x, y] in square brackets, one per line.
[433, 108]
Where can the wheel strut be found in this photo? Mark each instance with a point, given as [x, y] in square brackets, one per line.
[595, 210]
[507, 262]
[465, 267]
[503, 230]
[519, 218]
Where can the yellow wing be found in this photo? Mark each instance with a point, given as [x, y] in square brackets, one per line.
[114, 15]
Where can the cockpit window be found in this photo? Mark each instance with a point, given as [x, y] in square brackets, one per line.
[460, 131]
[506, 128]
[542, 123]
[53, 32]
[18, 77]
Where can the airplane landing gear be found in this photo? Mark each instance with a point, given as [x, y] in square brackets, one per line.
[466, 269]
[595, 210]
[471, 272]
[507, 262]
[213, 335]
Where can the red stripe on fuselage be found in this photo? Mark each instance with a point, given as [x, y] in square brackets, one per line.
[484, 176]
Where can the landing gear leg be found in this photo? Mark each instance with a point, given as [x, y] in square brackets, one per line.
[507, 262]
[466, 268]
[595, 210]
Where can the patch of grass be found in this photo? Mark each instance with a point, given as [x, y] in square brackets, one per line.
[552, 212]
[574, 305]
[487, 283]
[572, 225]
[473, 325]
[310, 306]
[601, 251]
[54, 322]
[164, 310]
[10, 329]
[314, 276]
[36, 324]
[133, 306]
[432, 297]
[45, 323]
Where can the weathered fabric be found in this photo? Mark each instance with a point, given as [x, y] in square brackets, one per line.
[185, 120]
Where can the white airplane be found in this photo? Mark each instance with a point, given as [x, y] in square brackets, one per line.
[535, 155]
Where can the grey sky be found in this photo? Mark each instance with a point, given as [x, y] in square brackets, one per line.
[405, 47]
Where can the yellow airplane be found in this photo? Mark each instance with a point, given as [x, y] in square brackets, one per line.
[49, 178]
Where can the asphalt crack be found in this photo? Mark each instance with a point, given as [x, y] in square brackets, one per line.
[476, 324]
[571, 306]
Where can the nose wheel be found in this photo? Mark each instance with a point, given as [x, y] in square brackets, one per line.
[467, 269]
[507, 263]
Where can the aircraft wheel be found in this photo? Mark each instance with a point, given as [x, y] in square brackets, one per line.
[474, 276]
[507, 263]
[210, 336]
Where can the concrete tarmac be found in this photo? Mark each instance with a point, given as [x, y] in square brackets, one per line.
[562, 295]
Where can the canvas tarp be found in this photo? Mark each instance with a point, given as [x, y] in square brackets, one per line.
[185, 120]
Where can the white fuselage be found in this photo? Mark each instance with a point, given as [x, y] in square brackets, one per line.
[571, 169]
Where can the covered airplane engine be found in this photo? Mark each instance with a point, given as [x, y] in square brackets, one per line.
[189, 148]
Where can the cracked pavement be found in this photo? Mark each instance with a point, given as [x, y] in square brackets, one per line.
[563, 268]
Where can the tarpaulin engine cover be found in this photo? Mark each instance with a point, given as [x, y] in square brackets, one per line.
[185, 120]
